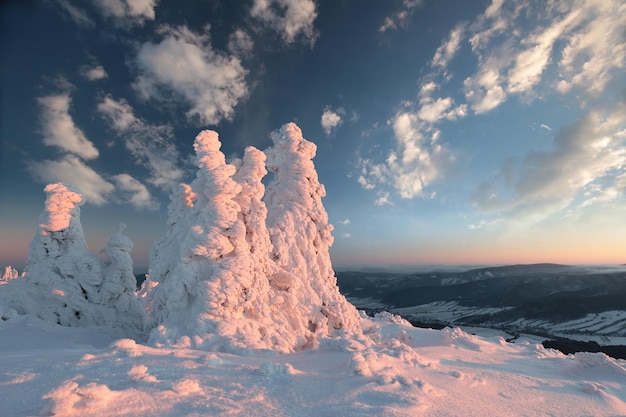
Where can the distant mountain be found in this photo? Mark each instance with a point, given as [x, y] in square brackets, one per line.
[545, 298]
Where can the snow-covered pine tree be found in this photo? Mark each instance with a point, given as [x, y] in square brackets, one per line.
[210, 293]
[8, 273]
[301, 235]
[119, 285]
[277, 307]
[63, 277]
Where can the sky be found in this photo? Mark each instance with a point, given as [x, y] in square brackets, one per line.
[447, 132]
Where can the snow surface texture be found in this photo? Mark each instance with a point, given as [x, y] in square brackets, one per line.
[235, 275]
[392, 369]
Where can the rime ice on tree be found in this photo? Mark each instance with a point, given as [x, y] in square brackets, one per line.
[8, 273]
[119, 284]
[209, 292]
[63, 277]
[67, 284]
[301, 235]
[218, 284]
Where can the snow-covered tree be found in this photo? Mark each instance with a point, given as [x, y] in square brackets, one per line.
[70, 286]
[209, 293]
[119, 285]
[301, 235]
[8, 273]
[229, 274]
[278, 308]
[63, 277]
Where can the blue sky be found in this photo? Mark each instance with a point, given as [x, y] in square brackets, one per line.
[448, 132]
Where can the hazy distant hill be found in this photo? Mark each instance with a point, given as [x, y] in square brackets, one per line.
[549, 298]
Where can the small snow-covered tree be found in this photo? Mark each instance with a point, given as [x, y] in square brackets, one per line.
[119, 285]
[8, 273]
[301, 235]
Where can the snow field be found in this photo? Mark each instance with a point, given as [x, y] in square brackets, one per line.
[390, 370]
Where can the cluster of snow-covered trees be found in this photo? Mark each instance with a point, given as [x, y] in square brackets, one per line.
[239, 267]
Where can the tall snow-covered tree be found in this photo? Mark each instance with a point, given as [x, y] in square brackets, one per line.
[210, 292]
[278, 307]
[301, 234]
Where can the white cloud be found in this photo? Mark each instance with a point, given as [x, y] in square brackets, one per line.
[597, 49]
[185, 66]
[432, 110]
[583, 38]
[240, 44]
[77, 15]
[93, 73]
[290, 18]
[531, 62]
[331, 119]
[127, 13]
[344, 222]
[417, 158]
[415, 162]
[400, 17]
[59, 129]
[445, 53]
[151, 146]
[484, 91]
[71, 170]
[383, 199]
[587, 161]
[135, 192]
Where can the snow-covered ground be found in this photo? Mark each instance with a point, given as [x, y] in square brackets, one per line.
[391, 370]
